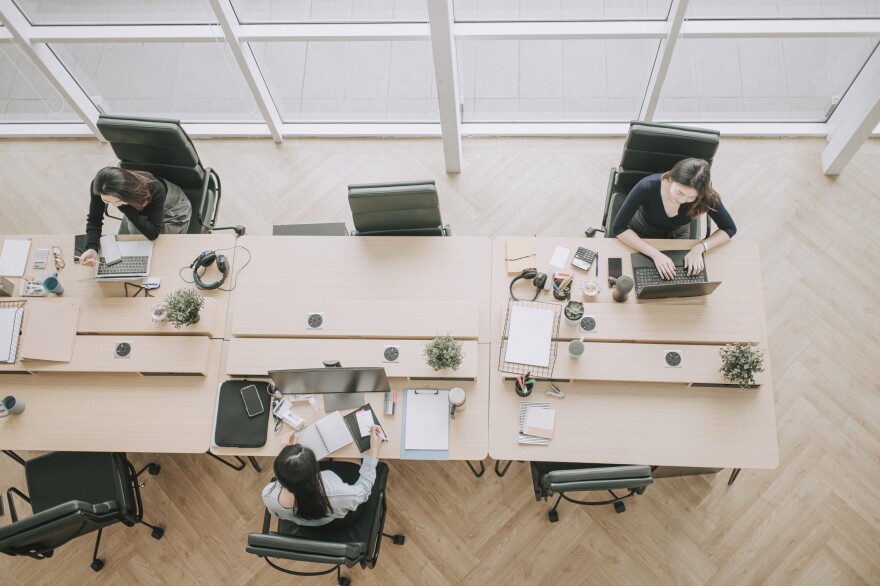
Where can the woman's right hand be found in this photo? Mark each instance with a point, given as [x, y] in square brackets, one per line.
[376, 438]
[664, 265]
[89, 257]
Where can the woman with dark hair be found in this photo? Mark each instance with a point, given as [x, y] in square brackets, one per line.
[149, 206]
[663, 205]
[306, 495]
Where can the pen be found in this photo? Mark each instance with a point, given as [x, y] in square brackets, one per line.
[597, 264]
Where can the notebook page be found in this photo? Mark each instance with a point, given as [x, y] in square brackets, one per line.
[334, 432]
[310, 438]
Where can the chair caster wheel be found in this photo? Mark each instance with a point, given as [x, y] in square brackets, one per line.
[344, 581]
[398, 539]
[154, 469]
[554, 516]
[97, 565]
[157, 533]
[619, 507]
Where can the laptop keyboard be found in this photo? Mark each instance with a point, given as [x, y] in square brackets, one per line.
[650, 276]
[130, 265]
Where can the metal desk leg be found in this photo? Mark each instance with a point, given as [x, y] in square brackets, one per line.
[501, 473]
[239, 467]
[471, 466]
[253, 462]
[14, 456]
[733, 474]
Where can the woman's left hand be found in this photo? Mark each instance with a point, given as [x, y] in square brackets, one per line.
[693, 261]
[288, 439]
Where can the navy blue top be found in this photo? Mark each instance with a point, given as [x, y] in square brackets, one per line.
[646, 195]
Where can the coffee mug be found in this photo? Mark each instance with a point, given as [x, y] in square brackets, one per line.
[457, 400]
[11, 405]
[52, 285]
[576, 348]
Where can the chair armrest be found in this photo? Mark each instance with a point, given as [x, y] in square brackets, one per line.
[611, 177]
[448, 230]
[211, 177]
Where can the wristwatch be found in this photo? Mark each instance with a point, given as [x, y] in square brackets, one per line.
[705, 246]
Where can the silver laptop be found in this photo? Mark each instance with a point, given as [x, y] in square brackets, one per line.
[136, 258]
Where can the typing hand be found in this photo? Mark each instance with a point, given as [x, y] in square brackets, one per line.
[89, 257]
[693, 262]
[376, 438]
[664, 265]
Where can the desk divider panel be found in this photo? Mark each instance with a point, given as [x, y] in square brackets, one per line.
[257, 356]
[120, 316]
[282, 318]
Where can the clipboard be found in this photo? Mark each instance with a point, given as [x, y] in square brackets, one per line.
[418, 454]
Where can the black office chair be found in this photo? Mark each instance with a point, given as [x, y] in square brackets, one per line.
[327, 229]
[396, 209]
[563, 477]
[164, 149]
[354, 543]
[71, 494]
[654, 148]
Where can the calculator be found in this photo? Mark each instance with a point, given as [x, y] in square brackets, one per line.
[583, 258]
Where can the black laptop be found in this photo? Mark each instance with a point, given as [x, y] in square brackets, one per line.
[650, 285]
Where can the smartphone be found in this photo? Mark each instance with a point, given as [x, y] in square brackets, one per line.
[615, 268]
[252, 403]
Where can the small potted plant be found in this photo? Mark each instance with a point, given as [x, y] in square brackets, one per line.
[740, 363]
[444, 352]
[574, 311]
[182, 307]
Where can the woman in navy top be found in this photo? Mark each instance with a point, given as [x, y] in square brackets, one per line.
[663, 205]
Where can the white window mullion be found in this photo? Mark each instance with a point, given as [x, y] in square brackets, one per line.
[664, 58]
[440, 18]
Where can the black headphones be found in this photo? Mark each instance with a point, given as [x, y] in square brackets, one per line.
[205, 260]
[540, 279]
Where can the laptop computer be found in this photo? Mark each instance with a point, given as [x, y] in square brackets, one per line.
[137, 256]
[650, 285]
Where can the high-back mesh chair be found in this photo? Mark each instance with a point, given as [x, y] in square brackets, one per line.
[72, 494]
[396, 209]
[164, 149]
[563, 477]
[654, 148]
[336, 544]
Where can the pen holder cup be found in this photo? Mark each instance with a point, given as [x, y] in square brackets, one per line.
[523, 392]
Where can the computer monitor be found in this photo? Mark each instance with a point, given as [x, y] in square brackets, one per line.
[342, 387]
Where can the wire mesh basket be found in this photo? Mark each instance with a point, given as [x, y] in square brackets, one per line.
[14, 317]
[536, 371]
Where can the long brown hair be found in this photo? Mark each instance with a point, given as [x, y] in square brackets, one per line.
[296, 468]
[695, 173]
[132, 187]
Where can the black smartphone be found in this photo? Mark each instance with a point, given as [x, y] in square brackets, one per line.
[252, 402]
[615, 268]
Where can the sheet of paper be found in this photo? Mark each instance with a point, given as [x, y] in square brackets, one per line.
[365, 421]
[427, 419]
[529, 336]
[560, 255]
[9, 320]
[13, 258]
[539, 422]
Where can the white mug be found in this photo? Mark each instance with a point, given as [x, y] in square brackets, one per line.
[457, 400]
[11, 405]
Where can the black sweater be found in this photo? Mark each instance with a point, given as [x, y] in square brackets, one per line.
[149, 221]
[646, 195]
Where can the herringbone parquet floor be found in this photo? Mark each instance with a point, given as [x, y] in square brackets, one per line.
[814, 520]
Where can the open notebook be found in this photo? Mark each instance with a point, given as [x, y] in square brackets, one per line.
[326, 435]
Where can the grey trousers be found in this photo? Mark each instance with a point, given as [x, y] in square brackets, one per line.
[644, 230]
[175, 218]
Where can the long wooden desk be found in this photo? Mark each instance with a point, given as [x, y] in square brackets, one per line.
[371, 292]
[622, 404]
[96, 402]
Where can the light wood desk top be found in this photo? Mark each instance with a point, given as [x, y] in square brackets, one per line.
[468, 433]
[653, 419]
[113, 412]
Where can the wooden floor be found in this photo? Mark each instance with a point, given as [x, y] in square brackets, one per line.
[814, 520]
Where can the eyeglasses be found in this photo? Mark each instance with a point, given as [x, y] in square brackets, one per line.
[59, 260]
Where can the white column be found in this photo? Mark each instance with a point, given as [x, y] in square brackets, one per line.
[441, 21]
[46, 61]
[854, 118]
[248, 64]
[664, 58]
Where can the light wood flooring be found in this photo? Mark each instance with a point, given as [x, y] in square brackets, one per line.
[814, 520]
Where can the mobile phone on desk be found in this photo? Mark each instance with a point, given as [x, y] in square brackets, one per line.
[615, 268]
[252, 403]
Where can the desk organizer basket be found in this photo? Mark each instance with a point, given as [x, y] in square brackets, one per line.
[535, 371]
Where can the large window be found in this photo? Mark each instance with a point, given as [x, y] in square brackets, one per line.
[555, 10]
[116, 11]
[25, 94]
[331, 10]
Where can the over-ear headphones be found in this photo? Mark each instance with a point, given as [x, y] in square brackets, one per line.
[205, 260]
[539, 280]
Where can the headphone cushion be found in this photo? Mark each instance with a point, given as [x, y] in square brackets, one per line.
[221, 264]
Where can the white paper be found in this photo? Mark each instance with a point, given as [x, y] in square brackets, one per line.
[365, 422]
[13, 258]
[529, 336]
[560, 255]
[326, 436]
[9, 333]
[427, 419]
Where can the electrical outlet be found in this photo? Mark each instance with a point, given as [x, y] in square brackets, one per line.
[673, 359]
[122, 350]
[315, 321]
[391, 354]
[589, 325]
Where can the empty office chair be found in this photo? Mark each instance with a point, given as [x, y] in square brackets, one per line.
[355, 543]
[327, 229]
[396, 209]
[164, 149]
[71, 494]
[556, 477]
[654, 148]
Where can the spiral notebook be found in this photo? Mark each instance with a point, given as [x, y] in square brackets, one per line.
[326, 436]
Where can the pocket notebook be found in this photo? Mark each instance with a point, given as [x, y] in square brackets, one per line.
[362, 443]
[326, 435]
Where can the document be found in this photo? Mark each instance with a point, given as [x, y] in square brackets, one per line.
[13, 258]
[519, 254]
[522, 436]
[560, 255]
[529, 336]
[365, 422]
[326, 436]
[10, 326]
[427, 419]
[50, 331]
[539, 422]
